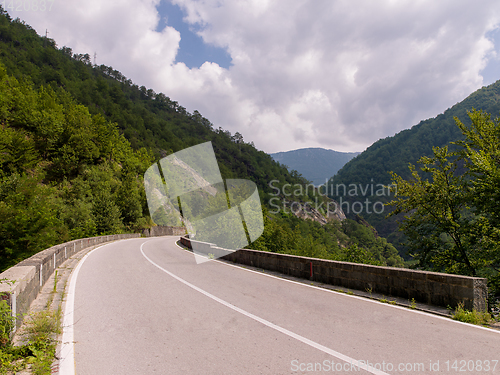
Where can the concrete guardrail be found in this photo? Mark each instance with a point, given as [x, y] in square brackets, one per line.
[27, 277]
[434, 288]
[164, 231]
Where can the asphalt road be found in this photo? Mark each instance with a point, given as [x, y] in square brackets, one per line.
[143, 306]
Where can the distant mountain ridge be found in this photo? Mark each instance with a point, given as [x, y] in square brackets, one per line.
[315, 164]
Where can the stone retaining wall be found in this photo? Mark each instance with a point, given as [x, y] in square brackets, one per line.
[164, 231]
[427, 287]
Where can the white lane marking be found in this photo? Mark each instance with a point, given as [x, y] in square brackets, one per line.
[67, 349]
[242, 267]
[67, 353]
[267, 323]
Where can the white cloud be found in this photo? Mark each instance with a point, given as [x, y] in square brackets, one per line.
[334, 74]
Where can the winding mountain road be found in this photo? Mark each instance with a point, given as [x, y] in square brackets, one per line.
[143, 306]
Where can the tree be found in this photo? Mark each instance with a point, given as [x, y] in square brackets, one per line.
[481, 151]
[436, 225]
[453, 219]
[237, 138]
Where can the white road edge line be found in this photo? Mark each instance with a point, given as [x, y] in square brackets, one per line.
[67, 348]
[242, 267]
[267, 323]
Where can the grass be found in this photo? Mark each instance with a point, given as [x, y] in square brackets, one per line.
[39, 334]
[38, 352]
[6, 323]
[473, 317]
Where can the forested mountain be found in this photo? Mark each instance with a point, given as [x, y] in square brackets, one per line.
[76, 139]
[64, 173]
[314, 164]
[364, 175]
[145, 118]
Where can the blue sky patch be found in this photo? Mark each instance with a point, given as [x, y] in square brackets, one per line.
[491, 73]
[192, 50]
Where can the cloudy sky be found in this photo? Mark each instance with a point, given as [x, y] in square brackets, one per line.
[291, 74]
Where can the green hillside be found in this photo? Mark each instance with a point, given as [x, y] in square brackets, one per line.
[64, 173]
[145, 118]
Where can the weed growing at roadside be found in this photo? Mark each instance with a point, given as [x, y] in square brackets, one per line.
[413, 303]
[474, 316]
[38, 352]
[6, 323]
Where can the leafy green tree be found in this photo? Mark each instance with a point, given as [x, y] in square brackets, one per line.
[64, 173]
[30, 221]
[17, 151]
[436, 226]
[129, 200]
[480, 150]
[76, 211]
[452, 218]
[356, 254]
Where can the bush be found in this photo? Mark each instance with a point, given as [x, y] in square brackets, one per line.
[6, 324]
[473, 317]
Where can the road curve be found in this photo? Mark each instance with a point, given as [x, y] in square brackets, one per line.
[143, 306]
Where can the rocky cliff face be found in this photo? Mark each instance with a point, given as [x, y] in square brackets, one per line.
[308, 211]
